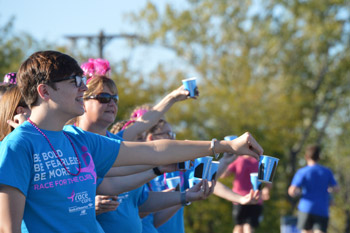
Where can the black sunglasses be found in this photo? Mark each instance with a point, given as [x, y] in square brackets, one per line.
[78, 80]
[104, 98]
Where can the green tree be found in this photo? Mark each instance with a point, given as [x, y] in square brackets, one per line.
[278, 69]
[13, 48]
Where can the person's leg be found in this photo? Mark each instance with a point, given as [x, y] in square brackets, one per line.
[238, 217]
[320, 224]
[318, 231]
[306, 231]
[253, 213]
[305, 222]
[247, 228]
[238, 229]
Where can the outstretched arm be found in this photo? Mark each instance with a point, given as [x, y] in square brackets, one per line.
[161, 152]
[12, 202]
[225, 192]
[150, 118]
[127, 170]
[161, 217]
[160, 200]
[121, 184]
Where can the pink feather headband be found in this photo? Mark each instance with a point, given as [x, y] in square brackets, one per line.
[94, 67]
[136, 114]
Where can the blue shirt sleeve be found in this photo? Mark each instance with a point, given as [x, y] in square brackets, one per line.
[332, 181]
[297, 179]
[16, 163]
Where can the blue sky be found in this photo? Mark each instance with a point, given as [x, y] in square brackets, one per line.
[52, 20]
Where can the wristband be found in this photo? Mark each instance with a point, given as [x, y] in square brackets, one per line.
[212, 145]
[157, 171]
[183, 199]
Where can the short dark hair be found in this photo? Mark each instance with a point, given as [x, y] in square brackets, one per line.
[44, 67]
[313, 152]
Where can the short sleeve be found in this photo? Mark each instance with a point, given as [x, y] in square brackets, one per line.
[332, 181]
[297, 179]
[16, 163]
[232, 167]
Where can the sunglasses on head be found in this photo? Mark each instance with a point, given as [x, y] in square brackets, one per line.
[79, 80]
[104, 98]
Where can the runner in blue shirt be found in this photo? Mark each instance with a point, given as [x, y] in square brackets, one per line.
[313, 184]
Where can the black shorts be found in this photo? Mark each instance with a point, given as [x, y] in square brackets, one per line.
[308, 221]
[247, 214]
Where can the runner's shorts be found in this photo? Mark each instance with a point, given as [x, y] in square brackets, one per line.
[308, 221]
[247, 214]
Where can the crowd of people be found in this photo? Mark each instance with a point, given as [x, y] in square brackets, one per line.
[66, 167]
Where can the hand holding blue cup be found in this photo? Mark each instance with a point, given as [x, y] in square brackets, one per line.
[191, 86]
[193, 181]
[267, 168]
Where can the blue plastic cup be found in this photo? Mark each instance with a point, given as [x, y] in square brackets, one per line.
[213, 170]
[173, 182]
[190, 85]
[193, 181]
[201, 167]
[184, 165]
[267, 168]
[256, 184]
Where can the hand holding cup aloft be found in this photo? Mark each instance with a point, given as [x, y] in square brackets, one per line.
[180, 94]
[246, 145]
[191, 86]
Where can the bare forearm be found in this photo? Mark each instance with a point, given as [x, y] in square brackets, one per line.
[163, 216]
[163, 152]
[160, 200]
[149, 119]
[225, 192]
[12, 203]
[127, 170]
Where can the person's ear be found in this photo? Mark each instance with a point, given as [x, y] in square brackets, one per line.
[43, 91]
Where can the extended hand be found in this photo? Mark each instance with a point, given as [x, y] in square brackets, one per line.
[251, 198]
[180, 94]
[246, 145]
[200, 191]
[105, 203]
